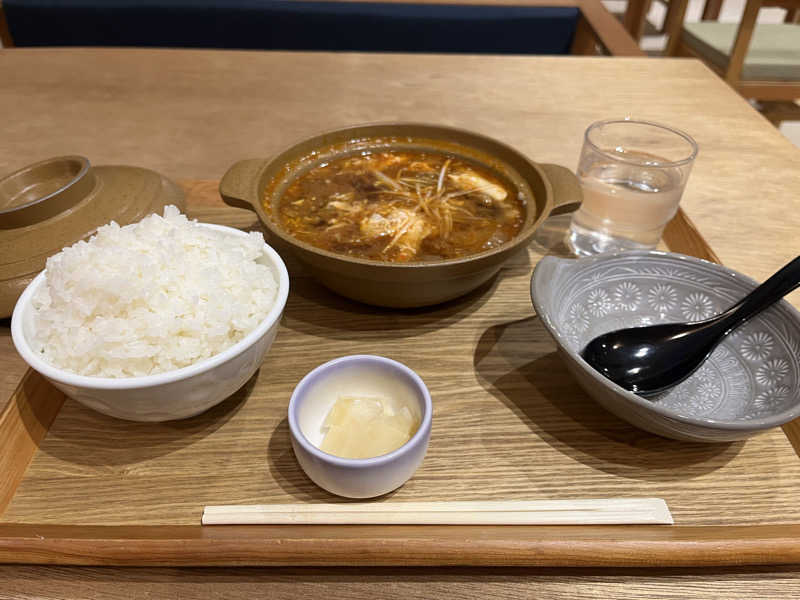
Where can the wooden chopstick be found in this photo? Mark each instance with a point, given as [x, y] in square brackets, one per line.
[601, 511]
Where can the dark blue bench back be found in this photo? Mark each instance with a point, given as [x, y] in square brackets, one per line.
[293, 25]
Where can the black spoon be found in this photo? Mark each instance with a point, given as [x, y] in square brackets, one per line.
[648, 360]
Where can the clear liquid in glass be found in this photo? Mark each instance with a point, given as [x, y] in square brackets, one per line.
[625, 206]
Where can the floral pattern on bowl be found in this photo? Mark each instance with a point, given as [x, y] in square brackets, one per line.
[753, 376]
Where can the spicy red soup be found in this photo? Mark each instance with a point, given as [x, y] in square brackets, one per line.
[400, 207]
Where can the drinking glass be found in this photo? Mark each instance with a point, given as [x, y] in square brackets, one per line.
[632, 174]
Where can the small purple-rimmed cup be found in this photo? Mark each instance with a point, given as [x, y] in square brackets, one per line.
[361, 375]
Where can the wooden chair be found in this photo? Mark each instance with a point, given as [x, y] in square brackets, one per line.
[713, 7]
[760, 62]
[635, 17]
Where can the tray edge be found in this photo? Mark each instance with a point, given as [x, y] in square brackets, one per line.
[497, 546]
[593, 546]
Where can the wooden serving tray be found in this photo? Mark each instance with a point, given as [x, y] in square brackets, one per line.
[509, 423]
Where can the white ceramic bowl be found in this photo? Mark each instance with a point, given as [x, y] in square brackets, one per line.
[748, 384]
[165, 396]
[313, 398]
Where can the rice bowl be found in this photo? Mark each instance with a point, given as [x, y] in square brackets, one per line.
[173, 394]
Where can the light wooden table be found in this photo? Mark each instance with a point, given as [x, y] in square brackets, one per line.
[191, 114]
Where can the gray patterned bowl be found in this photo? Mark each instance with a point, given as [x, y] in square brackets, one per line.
[751, 382]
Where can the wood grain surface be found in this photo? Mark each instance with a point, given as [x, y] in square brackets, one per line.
[400, 545]
[508, 419]
[172, 111]
[190, 114]
[24, 423]
[56, 583]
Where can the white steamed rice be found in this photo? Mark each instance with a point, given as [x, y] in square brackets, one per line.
[150, 297]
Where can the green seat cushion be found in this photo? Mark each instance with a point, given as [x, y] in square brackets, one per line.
[774, 52]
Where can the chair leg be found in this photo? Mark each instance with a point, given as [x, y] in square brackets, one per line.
[711, 10]
[634, 18]
[672, 10]
[778, 111]
[675, 26]
[744, 33]
[584, 42]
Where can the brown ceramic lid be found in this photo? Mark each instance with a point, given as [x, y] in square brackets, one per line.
[52, 204]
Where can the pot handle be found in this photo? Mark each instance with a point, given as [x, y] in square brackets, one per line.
[567, 194]
[236, 185]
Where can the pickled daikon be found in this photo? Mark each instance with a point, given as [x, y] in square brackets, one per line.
[367, 426]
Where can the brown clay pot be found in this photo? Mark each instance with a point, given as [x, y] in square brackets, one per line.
[258, 185]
